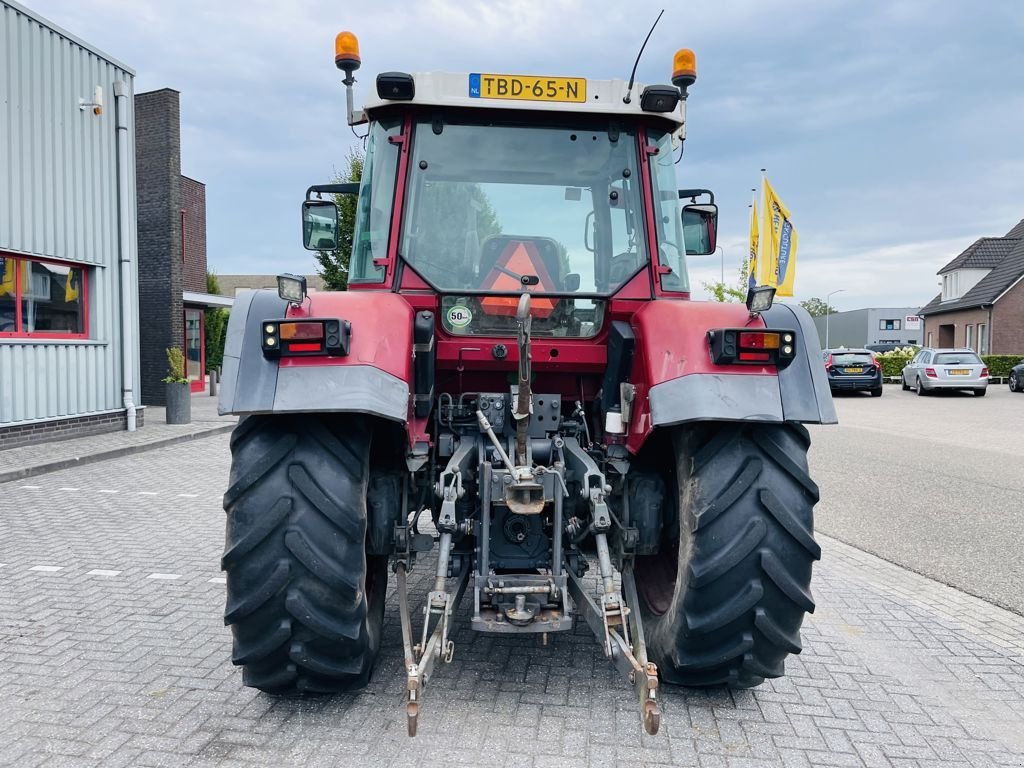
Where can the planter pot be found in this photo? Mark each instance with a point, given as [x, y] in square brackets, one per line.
[179, 404]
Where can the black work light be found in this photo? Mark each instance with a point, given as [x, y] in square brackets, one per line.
[760, 298]
[291, 288]
[396, 86]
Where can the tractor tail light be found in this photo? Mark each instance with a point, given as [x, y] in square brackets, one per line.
[929, 372]
[286, 338]
[302, 330]
[742, 346]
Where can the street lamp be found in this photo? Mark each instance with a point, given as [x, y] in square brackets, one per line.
[828, 311]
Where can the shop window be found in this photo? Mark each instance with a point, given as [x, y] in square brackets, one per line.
[42, 299]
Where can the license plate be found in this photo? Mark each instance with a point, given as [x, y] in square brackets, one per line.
[959, 371]
[528, 87]
[855, 370]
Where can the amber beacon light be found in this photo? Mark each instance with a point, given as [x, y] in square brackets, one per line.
[346, 52]
[684, 69]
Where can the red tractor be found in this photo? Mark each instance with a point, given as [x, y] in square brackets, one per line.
[517, 382]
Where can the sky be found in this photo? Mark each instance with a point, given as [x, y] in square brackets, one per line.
[892, 130]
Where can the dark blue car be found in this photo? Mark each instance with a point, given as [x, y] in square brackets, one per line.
[853, 370]
[1017, 377]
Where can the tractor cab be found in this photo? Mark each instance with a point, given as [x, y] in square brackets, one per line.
[481, 187]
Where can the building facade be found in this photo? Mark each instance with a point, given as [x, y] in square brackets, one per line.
[860, 327]
[981, 305]
[68, 260]
[172, 248]
[230, 285]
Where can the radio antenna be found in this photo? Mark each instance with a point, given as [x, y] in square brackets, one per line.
[632, 75]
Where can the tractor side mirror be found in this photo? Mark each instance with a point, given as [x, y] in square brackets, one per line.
[320, 225]
[572, 282]
[700, 228]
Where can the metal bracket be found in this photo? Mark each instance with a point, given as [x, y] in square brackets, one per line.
[420, 659]
[629, 659]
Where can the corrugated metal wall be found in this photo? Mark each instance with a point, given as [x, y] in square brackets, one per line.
[58, 199]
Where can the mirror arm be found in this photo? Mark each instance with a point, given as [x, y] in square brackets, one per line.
[696, 193]
[349, 188]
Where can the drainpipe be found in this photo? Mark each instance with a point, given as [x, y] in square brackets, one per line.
[124, 253]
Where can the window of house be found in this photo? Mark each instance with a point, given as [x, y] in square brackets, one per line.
[890, 325]
[42, 299]
[982, 339]
[929, 338]
[969, 336]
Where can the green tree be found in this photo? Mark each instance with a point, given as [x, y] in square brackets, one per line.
[816, 307]
[725, 292]
[216, 327]
[333, 265]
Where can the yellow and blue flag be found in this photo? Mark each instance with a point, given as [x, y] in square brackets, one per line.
[781, 242]
[7, 269]
[71, 287]
[752, 263]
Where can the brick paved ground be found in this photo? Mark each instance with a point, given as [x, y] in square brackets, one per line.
[113, 653]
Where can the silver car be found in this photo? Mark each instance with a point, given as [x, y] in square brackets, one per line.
[933, 369]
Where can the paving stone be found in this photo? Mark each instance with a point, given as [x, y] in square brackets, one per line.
[124, 670]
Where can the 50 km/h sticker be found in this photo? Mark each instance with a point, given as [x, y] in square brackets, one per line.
[459, 317]
[528, 87]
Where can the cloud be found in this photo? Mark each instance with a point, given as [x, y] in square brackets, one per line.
[891, 130]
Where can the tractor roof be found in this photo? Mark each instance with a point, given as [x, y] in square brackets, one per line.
[574, 95]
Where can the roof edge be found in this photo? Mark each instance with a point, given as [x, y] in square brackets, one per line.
[29, 13]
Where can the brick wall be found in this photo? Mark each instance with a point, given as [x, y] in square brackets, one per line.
[158, 184]
[960, 320]
[1008, 322]
[62, 429]
[193, 194]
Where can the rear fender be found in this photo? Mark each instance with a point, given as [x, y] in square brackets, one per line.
[374, 378]
[677, 382]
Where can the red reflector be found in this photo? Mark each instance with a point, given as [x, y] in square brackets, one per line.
[751, 340]
[756, 357]
[303, 347]
[302, 330]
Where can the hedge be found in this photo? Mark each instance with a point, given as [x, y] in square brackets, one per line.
[998, 365]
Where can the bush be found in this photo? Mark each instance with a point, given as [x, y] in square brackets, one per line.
[999, 365]
[175, 367]
[216, 332]
[892, 364]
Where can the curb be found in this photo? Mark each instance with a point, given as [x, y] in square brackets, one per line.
[113, 453]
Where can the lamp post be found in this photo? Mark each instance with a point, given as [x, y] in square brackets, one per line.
[828, 311]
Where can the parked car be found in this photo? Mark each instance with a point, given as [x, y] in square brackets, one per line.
[853, 370]
[1017, 377]
[934, 369]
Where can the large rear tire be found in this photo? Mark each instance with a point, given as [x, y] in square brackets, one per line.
[304, 601]
[724, 599]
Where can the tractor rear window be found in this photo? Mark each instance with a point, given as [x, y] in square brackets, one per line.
[496, 316]
[500, 209]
